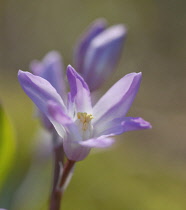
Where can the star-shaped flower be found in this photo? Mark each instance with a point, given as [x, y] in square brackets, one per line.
[80, 125]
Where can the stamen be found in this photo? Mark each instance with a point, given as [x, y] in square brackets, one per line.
[85, 119]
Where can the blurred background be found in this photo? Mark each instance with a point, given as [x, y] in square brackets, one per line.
[145, 170]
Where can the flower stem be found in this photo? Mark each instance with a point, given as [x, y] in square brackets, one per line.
[67, 169]
[57, 192]
[58, 158]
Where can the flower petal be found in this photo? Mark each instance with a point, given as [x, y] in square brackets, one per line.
[57, 113]
[51, 69]
[121, 125]
[79, 91]
[102, 55]
[39, 90]
[83, 43]
[74, 151]
[78, 150]
[135, 123]
[116, 102]
[62, 121]
[101, 142]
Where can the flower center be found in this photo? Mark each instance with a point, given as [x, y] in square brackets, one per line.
[84, 119]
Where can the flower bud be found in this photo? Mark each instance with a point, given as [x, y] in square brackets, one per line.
[98, 52]
[51, 69]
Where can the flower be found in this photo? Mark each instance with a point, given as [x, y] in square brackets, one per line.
[82, 126]
[95, 57]
[97, 52]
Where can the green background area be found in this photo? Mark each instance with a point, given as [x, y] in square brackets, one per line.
[144, 170]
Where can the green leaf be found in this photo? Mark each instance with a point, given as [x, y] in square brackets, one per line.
[7, 145]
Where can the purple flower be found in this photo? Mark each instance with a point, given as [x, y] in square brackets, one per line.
[51, 69]
[98, 51]
[95, 57]
[82, 126]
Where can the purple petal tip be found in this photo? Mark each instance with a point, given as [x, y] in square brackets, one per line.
[70, 70]
[22, 74]
[140, 123]
[69, 67]
[102, 21]
[20, 71]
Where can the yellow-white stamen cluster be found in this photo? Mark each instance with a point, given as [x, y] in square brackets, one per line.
[84, 119]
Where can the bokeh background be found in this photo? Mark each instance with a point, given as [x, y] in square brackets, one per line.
[145, 170]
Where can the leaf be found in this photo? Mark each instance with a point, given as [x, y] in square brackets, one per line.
[7, 145]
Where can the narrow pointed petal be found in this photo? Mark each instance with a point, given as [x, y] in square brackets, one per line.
[39, 90]
[83, 43]
[101, 142]
[58, 114]
[75, 151]
[79, 91]
[121, 125]
[102, 55]
[135, 123]
[63, 123]
[116, 102]
[78, 150]
[72, 149]
[51, 69]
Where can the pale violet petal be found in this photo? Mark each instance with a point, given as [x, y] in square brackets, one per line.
[51, 68]
[72, 149]
[78, 150]
[62, 122]
[116, 102]
[40, 91]
[135, 123]
[100, 142]
[80, 94]
[58, 114]
[121, 125]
